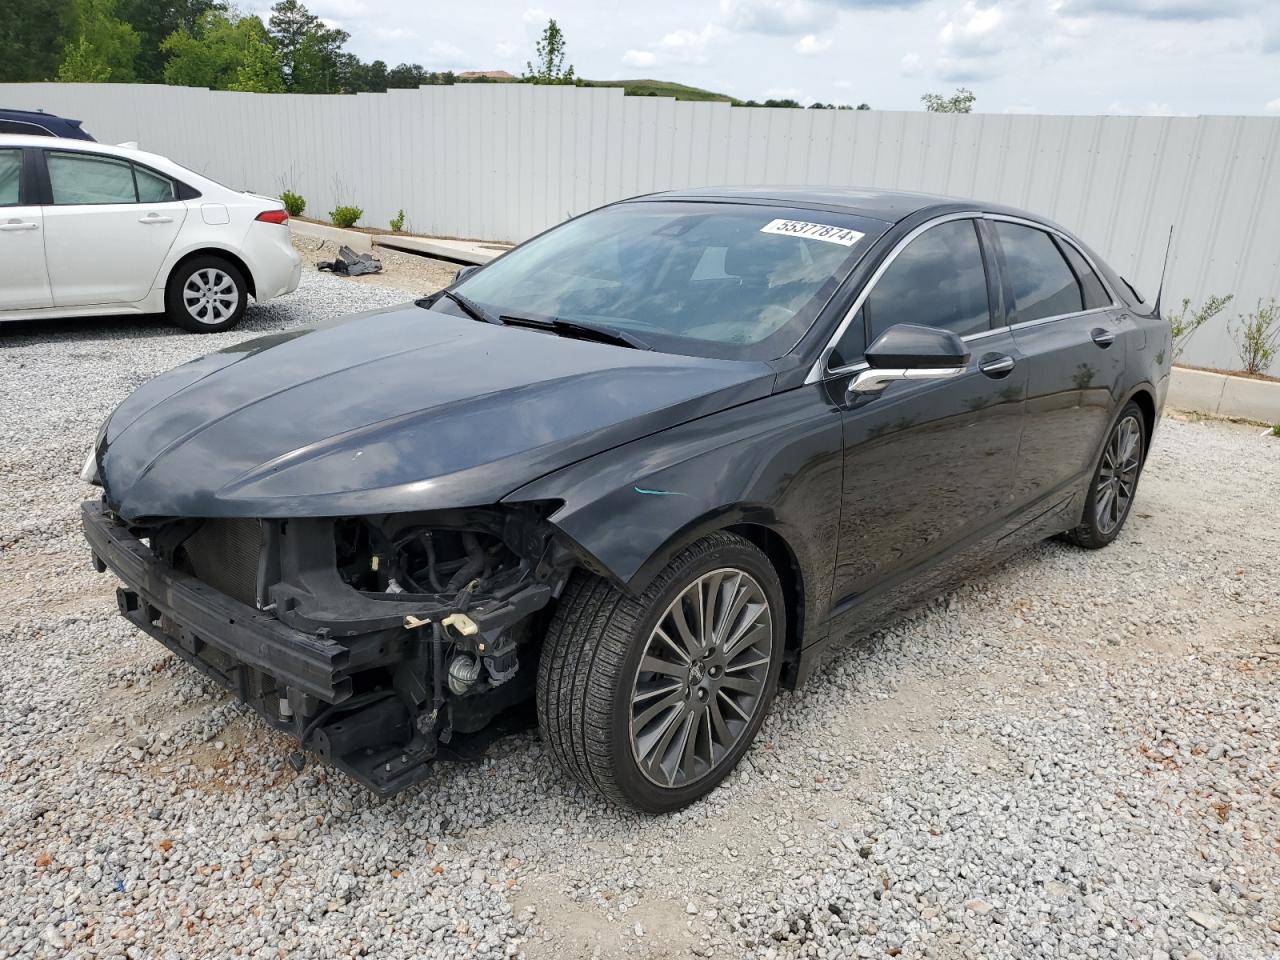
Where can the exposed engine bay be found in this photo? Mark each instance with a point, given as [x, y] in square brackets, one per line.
[380, 642]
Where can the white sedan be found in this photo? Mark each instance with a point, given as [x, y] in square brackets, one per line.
[88, 229]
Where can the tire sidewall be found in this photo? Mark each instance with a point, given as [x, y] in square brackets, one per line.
[1130, 409]
[176, 309]
[632, 782]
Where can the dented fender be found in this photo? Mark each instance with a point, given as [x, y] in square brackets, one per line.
[774, 463]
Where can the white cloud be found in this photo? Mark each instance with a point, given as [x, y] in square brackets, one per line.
[691, 39]
[810, 43]
[974, 30]
[688, 46]
[443, 50]
[504, 49]
[535, 15]
[910, 65]
[639, 58]
[393, 33]
[774, 16]
[1273, 106]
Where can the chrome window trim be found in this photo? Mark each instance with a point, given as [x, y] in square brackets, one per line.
[1053, 231]
[819, 371]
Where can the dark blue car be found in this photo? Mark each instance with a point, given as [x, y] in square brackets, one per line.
[37, 123]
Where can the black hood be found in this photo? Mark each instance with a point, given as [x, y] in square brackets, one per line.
[398, 410]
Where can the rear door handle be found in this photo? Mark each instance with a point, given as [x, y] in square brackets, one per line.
[17, 225]
[154, 218]
[996, 366]
[1103, 338]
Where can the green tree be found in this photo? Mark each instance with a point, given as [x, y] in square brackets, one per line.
[83, 63]
[99, 43]
[406, 76]
[155, 21]
[960, 102]
[259, 70]
[549, 52]
[223, 52]
[31, 40]
[310, 53]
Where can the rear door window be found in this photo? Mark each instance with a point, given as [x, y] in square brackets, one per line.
[1043, 284]
[937, 280]
[86, 178]
[10, 178]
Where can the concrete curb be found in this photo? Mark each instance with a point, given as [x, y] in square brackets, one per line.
[357, 241]
[463, 251]
[460, 251]
[1220, 395]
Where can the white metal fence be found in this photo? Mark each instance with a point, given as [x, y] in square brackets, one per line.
[502, 161]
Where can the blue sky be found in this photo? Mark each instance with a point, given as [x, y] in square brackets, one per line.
[1032, 56]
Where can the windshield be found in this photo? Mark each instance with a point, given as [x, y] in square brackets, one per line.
[727, 280]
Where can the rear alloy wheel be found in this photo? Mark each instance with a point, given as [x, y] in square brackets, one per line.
[1115, 482]
[206, 295]
[652, 700]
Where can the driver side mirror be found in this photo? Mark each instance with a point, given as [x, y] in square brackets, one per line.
[909, 352]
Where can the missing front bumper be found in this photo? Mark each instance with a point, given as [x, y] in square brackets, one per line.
[368, 702]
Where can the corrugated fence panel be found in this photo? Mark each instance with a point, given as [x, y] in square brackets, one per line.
[505, 161]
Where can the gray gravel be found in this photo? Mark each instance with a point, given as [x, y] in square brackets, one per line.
[1074, 756]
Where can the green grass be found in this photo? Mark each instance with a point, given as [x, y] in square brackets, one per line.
[661, 88]
[1275, 430]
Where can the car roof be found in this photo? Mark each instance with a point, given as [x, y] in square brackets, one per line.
[888, 206]
[85, 146]
[50, 121]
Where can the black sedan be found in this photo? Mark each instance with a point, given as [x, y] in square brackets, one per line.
[638, 471]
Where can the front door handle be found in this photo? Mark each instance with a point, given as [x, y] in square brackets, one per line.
[154, 218]
[996, 366]
[19, 225]
[1103, 338]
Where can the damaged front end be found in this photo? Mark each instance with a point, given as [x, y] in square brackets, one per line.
[379, 642]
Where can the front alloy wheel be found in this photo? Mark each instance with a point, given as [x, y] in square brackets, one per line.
[652, 700]
[703, 674]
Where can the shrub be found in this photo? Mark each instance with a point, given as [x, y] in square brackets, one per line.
[1186, 321]
[1275, 430]
[397, 222]
[345, 216]
[1258, 337]
[293, 202]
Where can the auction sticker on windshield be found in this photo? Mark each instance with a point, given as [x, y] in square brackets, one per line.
[813, 231]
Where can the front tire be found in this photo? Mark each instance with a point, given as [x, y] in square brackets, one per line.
[206, 294]
[1114, 483]
[652, 700]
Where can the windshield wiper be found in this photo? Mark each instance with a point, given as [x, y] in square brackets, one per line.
[473, 309]
[580, 330]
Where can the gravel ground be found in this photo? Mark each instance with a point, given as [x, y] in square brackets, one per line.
[1075, 756]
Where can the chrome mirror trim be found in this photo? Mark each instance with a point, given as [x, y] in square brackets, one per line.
[873, 380]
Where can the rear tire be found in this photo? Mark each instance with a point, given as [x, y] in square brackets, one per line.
[206, 294]
[606, 666]
[1115, 482]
